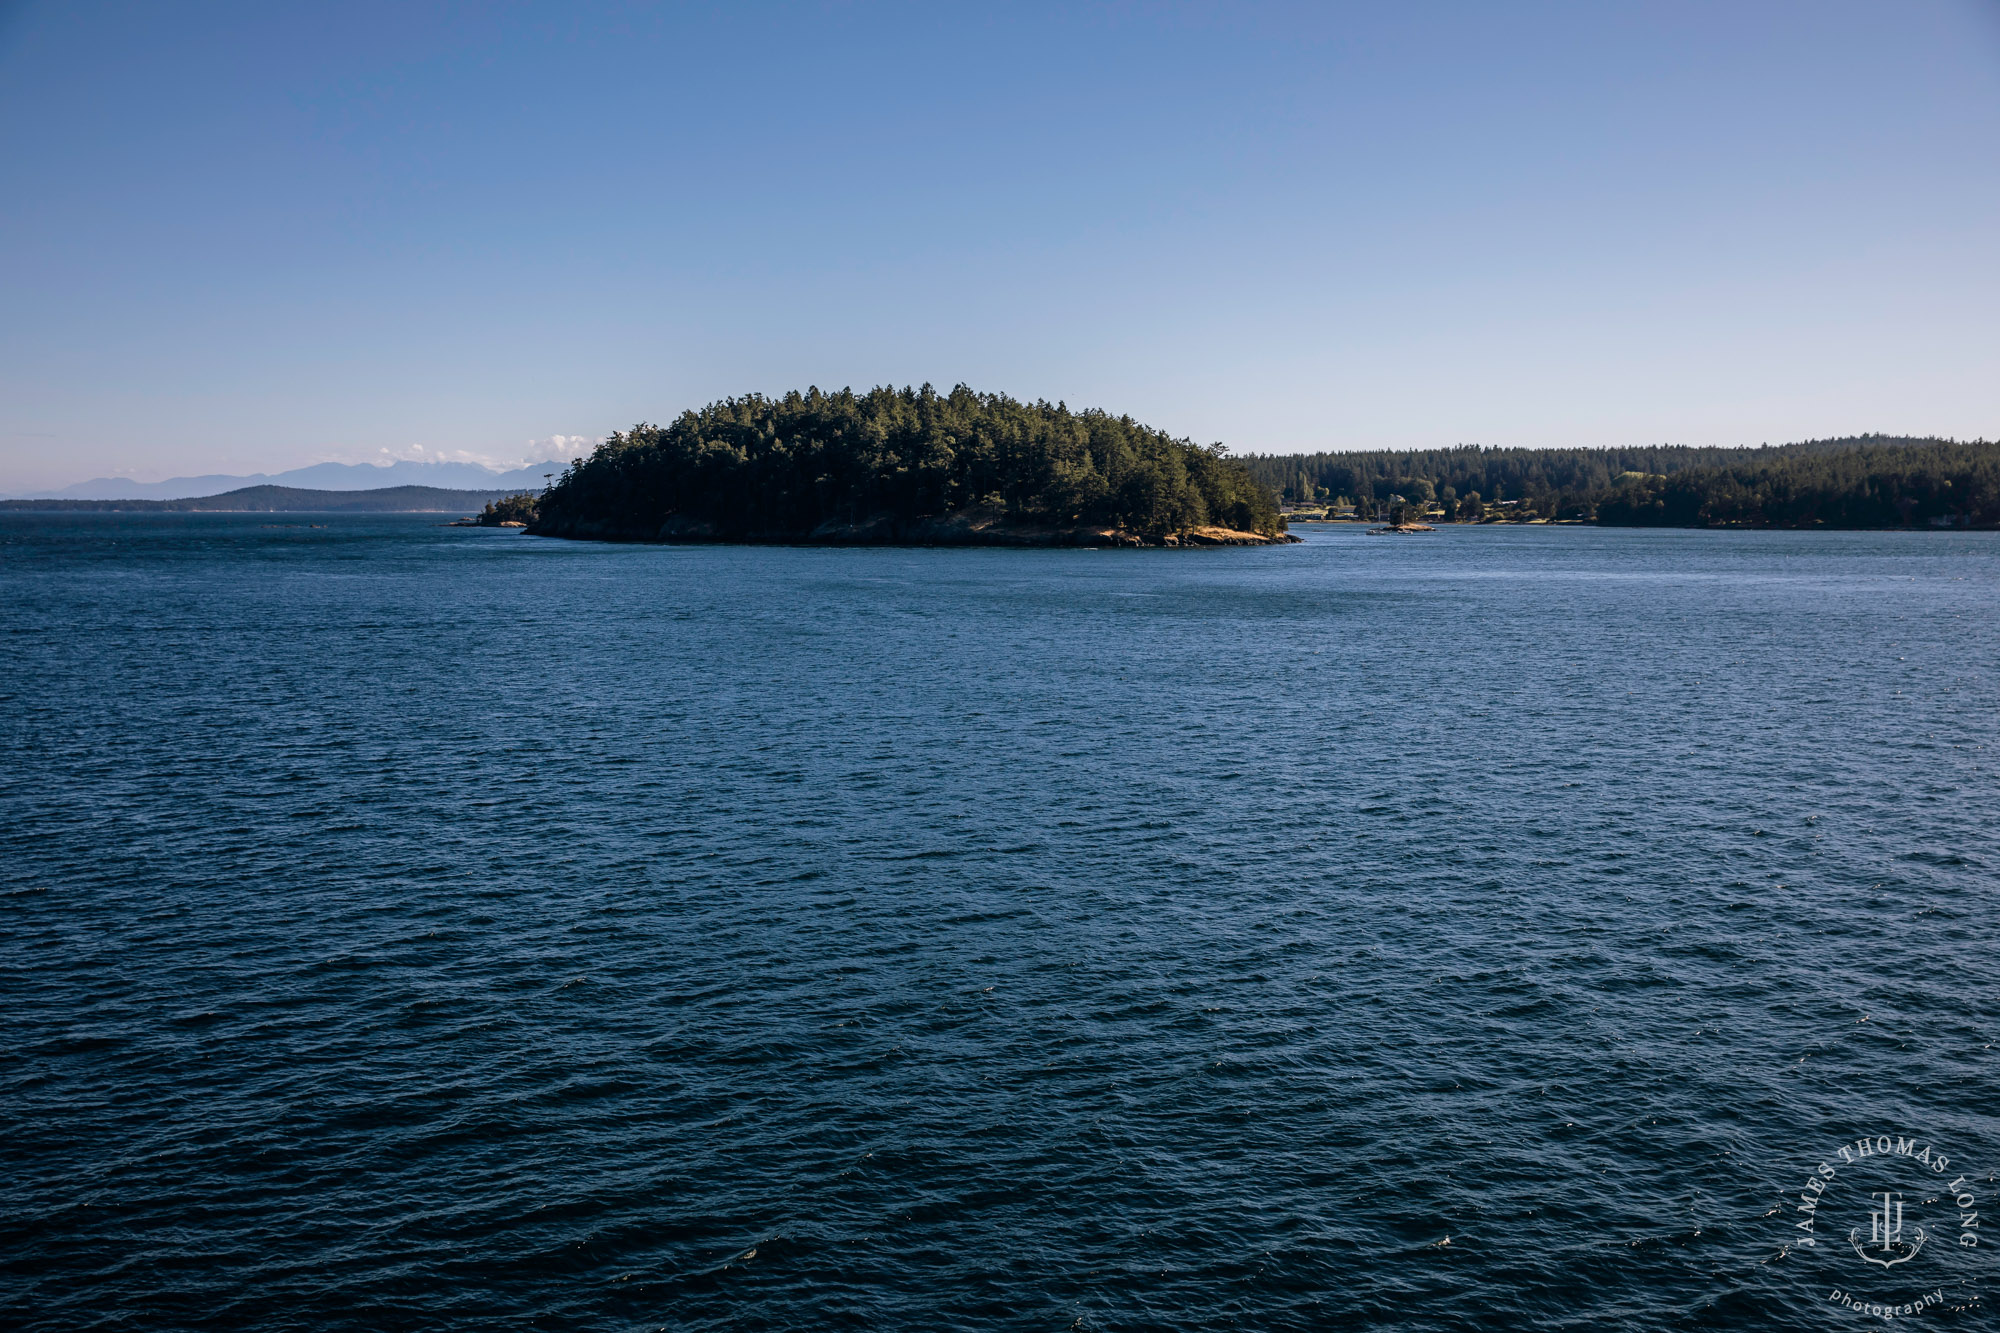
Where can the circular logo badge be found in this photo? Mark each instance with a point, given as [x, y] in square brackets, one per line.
[1895, 1223]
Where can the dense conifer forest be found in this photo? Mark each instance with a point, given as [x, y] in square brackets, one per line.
[888, 463]
[1868, 481]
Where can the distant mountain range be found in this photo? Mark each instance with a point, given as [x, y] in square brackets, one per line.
[318, 477]
[281, 500]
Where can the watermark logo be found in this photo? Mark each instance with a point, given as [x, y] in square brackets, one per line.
[1897, 1224]
[1885, 1232]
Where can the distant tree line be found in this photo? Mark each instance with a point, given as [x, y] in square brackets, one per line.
[779, 468]
[1867, 481]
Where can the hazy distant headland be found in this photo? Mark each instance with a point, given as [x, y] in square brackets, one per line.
[1865, 481]
[908, 467]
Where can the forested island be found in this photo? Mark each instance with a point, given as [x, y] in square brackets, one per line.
[908, 467]
[509, 511]
[1865, 481]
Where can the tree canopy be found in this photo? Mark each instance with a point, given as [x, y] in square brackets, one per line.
[757, 468]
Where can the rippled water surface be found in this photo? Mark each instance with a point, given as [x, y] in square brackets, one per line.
[408, 927]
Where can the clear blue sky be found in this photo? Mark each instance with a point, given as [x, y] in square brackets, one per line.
[245, 237]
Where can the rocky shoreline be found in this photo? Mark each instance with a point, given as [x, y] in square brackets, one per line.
[983, 526]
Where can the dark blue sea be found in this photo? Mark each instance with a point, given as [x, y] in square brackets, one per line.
[406, 927]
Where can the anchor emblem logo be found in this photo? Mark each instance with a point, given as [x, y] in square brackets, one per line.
[1885, 1233]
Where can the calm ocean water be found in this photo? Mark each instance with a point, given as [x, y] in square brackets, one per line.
[409, 927]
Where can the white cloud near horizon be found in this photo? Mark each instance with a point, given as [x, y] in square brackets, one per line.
[560, 448]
